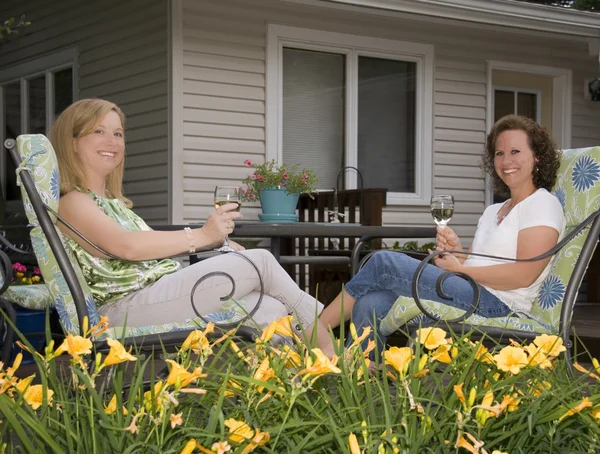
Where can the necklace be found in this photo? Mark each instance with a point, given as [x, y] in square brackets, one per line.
[501, 218]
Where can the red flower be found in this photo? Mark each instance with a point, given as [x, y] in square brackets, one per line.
[304, 182]
[250, 196]
[248, 163]
[261, 178]
[285, 176]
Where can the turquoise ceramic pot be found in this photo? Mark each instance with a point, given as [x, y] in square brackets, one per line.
[278, 202]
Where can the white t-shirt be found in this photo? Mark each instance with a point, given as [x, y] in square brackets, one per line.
[539, 209]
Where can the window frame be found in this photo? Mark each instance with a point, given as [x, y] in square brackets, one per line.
[45, 65]
[353, 46]
[516, 91]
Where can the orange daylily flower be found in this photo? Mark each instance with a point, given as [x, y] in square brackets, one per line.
[175, 420]
[179, 374]
[264, 373]
[458, 389]
[283, 326]
[585, 403]
[74, 346]
[34, 396]
[321, 366]
[198, 342]
[442, 354]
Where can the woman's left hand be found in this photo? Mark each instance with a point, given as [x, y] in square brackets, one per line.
[447, 262]
[236, 246]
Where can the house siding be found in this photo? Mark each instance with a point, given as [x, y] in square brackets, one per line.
[224, 56]
[120, 58]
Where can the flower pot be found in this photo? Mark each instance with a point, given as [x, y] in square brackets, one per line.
[278, 206]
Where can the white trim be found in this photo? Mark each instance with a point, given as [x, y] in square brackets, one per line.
[48, 62]
[279, 36]
[508, 13]
[561, 102]
[175, 87]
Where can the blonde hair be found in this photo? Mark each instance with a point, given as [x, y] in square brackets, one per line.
[80, 119]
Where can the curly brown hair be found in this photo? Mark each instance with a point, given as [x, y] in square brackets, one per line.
[541, 143]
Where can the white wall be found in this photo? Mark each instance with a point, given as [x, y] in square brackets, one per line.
[122, 55]
[224, 94]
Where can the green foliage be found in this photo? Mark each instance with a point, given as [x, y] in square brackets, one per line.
[270, 175]
[585, 5]
[413, 246]
[11, 26]
[443, 393]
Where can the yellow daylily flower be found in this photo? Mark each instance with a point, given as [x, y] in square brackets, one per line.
[175, 420]
[264, 373]
[112, 406]
[432, 338]
[34, 396]
[239, 431]
[399, 358]
[511, 359]
[99, 327]
[152, 397]
[585, 403]
[283, 326]
[179, 374]
[117, 353]
[358, 339]
[483, 414]
[442, 354]
[321, 366]
[583, 370]
[496, 451]
[550, 344]
[595, 413]
[482, 354]
[74, 346]
[189, 447]
[353, 444]
[509, 403]
[538, 357]
[220, 447]
[268, 332]
[463, 443]
[197, 342]
[292, 357]
[260, 439]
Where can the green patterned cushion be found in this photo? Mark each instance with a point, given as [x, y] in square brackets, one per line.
[34, 297]
[39, 158]
[578, 189]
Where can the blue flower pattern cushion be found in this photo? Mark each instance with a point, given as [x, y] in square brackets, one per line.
[578, 190]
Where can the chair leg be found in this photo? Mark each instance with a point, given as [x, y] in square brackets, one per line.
[568, 343]
[9, 338]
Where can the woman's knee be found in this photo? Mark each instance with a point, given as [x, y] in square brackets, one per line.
[374, 304]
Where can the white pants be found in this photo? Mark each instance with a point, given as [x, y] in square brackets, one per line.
[168, 299]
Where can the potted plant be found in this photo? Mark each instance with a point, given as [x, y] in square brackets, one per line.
[278, 188]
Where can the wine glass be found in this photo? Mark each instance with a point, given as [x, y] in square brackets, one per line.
[442, 209]
[223, 196]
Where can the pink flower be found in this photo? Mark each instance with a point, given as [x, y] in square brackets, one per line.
[19, 267]
[253, 177]
[250, 196]
[285, 176]
[248, 163]
[305, 176]
[244, 191]
[36, 270]
[261, 178]
[304, 182]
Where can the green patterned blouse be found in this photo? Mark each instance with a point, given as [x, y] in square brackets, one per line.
[111, 279]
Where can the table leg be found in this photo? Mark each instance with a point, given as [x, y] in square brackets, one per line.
[276, 247]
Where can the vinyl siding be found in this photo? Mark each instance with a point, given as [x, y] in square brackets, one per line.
[224, 54]
[122, 56]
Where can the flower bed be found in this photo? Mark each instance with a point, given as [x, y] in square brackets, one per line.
[447, 394]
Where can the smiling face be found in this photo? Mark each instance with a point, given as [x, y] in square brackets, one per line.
[101, 151]
[514, 160]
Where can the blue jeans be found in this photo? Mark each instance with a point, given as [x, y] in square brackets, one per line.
[388, 275]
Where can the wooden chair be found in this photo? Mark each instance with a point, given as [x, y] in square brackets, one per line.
[354, 206]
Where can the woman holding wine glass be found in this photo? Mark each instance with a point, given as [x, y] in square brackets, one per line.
[523, 161]
[144, 288]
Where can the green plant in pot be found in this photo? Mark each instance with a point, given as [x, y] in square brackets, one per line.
[278, 188]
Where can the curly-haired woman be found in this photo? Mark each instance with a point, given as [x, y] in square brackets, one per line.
[523, 162]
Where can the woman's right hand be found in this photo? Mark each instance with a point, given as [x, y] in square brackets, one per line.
[220, 223]
[447, 239]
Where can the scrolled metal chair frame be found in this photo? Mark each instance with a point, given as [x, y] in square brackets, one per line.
[594, 230]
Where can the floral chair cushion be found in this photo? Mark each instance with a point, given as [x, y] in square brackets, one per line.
[578, 189]
[38, 157]
[33, 297]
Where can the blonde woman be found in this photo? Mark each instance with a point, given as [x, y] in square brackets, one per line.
[145, 288]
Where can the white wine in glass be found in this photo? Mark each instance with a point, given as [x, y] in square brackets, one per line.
[442, 209]
[223, 196]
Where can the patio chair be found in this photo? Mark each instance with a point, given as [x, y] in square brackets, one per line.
[39, 179]
[578, 189]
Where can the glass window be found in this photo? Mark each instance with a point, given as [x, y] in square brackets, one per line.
[12, 117]
[386, 123]
[63, 90]
[313, 112]
[37, 105]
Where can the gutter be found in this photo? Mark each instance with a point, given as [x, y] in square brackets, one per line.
[510, 13]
